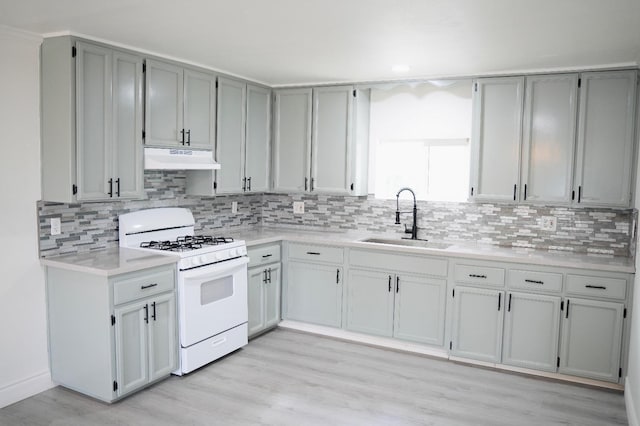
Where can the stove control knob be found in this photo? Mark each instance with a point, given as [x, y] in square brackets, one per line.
[202, 259]
[195, 261]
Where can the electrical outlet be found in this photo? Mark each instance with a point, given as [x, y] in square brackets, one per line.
[234, 207]
[548, 223]
[298, 207]
[55, 226]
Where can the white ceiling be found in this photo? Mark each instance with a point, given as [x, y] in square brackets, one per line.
[289, 42]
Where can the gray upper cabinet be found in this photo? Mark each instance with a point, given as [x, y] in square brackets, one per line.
[331, 139]
[292, 140]
[179, 106]
[230, 148]
[551, 104]
[320, 139]
[92, 141]
[605, 139]
[496, 136]
[257, 139]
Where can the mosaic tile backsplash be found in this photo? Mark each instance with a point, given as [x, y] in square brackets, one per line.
[91, 226]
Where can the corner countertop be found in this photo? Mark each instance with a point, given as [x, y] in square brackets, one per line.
[468, 250]
[109, 262]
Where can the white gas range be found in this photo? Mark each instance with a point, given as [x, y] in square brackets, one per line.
[211, 282]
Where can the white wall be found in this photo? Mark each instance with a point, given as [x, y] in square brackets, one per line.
[24, 368]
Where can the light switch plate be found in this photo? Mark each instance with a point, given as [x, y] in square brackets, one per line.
[548, 223]
[298, 207]
[55, 226]
[234, 207]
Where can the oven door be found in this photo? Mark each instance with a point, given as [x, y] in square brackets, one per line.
[212, 299]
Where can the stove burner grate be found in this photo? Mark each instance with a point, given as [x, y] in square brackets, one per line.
[186, 243]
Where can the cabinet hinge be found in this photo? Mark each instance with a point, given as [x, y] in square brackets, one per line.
[113, 320]
[558, 363]
[450, 345]
[579, 82]
[472, 191]
[354, 93]
[115, 386]
[624, 313]
[475, 87]
[215, 185]
[144, 67]
[74, 51]
[74, 189]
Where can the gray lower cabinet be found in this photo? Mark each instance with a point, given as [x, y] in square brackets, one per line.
[109, 336]
[314, 293]
[264, 297]
[408, 307]
[531, 330]
[478, 316]
[591, 338]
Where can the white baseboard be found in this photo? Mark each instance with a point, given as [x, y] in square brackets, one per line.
[632, 416]
[17, 391]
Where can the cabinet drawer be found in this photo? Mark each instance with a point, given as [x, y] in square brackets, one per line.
[484, 275]
[398, 262]
[262, 255]
[535, 280]
[612, 288]
[142, 284]
[316, 253]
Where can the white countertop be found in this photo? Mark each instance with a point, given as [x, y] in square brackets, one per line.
[468, 250]
[109, 262]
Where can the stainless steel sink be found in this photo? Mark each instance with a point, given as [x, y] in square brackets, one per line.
[407, 242]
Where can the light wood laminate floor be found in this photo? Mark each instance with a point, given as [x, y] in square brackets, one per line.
[291, 378]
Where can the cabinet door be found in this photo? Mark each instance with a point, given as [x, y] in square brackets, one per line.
[256, 296]
[314, 293]
[131, 347]
[272, 296]
[257, 155]
[163, 104]
[477, 323]
[531, 330]
[93, 121]
[591, 339]
[230, 136]
[199, 109]
[292, 140]
[331, 141]
[370, 302]
[127, 126]
[163, 344]
[549, 135]
[496, 136]
[605, 138]
[420, 309]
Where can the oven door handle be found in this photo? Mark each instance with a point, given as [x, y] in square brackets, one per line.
[216, 269]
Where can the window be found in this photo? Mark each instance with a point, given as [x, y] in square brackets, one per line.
[420, 139]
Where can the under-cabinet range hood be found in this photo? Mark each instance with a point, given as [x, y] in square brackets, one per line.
[178, 159]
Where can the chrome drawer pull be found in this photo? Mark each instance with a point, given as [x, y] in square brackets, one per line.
[314, 253]
[534, 282]
[477, 276]
[597, 287]
[148, 286]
